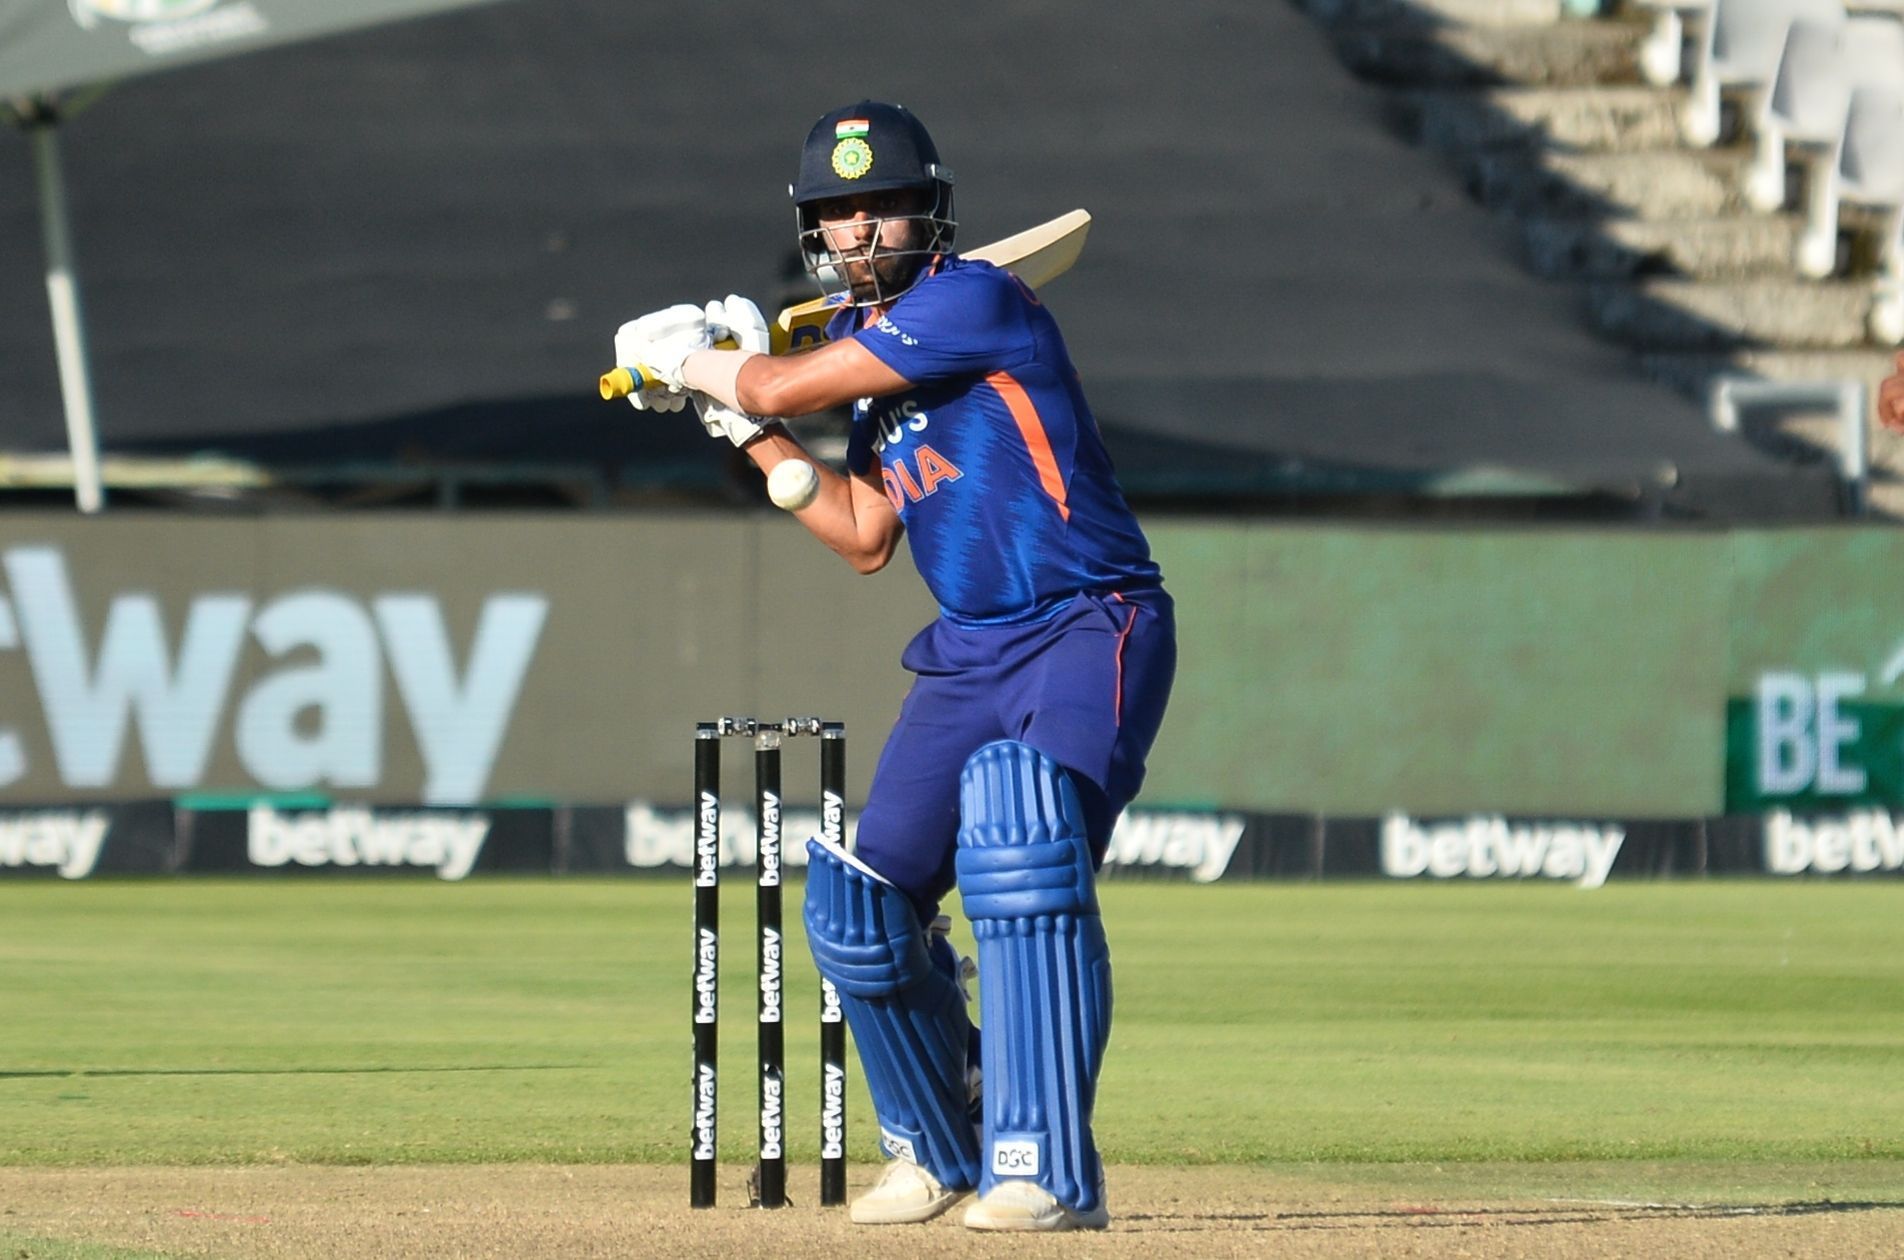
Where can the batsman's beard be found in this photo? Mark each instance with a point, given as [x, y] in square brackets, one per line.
[867, 263]
[881, 277]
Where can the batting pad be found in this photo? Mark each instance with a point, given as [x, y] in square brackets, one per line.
[905, 1009]
[1024, 870]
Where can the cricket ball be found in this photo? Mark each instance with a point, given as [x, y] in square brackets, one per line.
[793, 484]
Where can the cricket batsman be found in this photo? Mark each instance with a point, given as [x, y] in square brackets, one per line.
[1037, 691]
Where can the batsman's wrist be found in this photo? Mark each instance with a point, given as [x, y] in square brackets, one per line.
[767, 429]
[716, 373]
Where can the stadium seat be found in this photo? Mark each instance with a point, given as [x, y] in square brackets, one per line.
[1806, 99]
[1739, 48]
[1822, 64]
[1662, 52]
[1871, 174]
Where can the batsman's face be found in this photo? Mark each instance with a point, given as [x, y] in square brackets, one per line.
[874, 237]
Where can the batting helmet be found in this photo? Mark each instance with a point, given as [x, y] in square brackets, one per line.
[869, 147]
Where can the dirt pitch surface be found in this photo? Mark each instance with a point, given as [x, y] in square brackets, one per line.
[553, 1213]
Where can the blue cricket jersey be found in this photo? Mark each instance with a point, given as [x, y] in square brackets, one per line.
[992, 458]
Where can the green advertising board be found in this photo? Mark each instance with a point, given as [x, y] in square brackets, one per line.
[1344, 669]
[1565, 673]
[1815, 679]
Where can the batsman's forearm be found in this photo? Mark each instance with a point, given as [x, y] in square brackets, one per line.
[716, 373]
[864, 535]
[813, 381]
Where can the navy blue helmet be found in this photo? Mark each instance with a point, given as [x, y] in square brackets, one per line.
[872, 147]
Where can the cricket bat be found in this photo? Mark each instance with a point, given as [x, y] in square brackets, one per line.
[1036, 255]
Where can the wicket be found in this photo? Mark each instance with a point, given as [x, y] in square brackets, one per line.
[771, 1172]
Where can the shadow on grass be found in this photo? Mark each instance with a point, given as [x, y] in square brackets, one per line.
[302, 1071]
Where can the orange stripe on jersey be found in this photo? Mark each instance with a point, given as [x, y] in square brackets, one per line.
[1032, 428]
[1130, 624]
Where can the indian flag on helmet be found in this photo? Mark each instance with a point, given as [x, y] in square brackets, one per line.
[850, 127]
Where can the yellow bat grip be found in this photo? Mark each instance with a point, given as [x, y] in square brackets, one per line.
[624, 381]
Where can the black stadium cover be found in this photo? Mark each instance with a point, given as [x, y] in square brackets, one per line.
[49, 48]
[414, 243]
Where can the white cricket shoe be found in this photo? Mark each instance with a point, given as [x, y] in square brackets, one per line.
[905, 1194]
[1028, 1206]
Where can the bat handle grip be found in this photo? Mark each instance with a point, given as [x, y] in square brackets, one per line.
[623, 381]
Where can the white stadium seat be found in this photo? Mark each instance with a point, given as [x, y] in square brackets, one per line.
[1871, 173]
[1662, 52]
[1740, 48]
[1807, 110]
[1871, 166]
[1807, 100]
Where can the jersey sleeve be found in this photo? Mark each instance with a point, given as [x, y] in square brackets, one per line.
[964, 322]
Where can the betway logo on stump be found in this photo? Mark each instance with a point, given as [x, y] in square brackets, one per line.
[311, 715]
[833, 1112]
[1493, 848]
[447, 843]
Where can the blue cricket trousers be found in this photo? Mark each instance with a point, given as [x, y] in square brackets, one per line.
[1087, 687]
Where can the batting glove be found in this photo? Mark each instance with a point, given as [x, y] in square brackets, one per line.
[740, 320]
[660, 342]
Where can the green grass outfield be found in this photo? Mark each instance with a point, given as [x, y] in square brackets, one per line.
[398, 1021]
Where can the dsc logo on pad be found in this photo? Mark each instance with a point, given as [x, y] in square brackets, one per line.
[1017, 1157]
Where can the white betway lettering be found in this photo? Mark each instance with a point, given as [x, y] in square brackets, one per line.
[88, 708]
[1805, 735]
[769, 976]
[177, 702]
[459, 726]
[770, 1115]
[654, 837]
[1862, 841]
[833, 825]
[707, 841]
[277, 740]
[12, 751]
[65, 840]
[351, 837]
[704, 1112]
[1481, 848]
[830, 1011]
[1199, 843]
[833, 1113]
[769, 842]
[707, 948]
